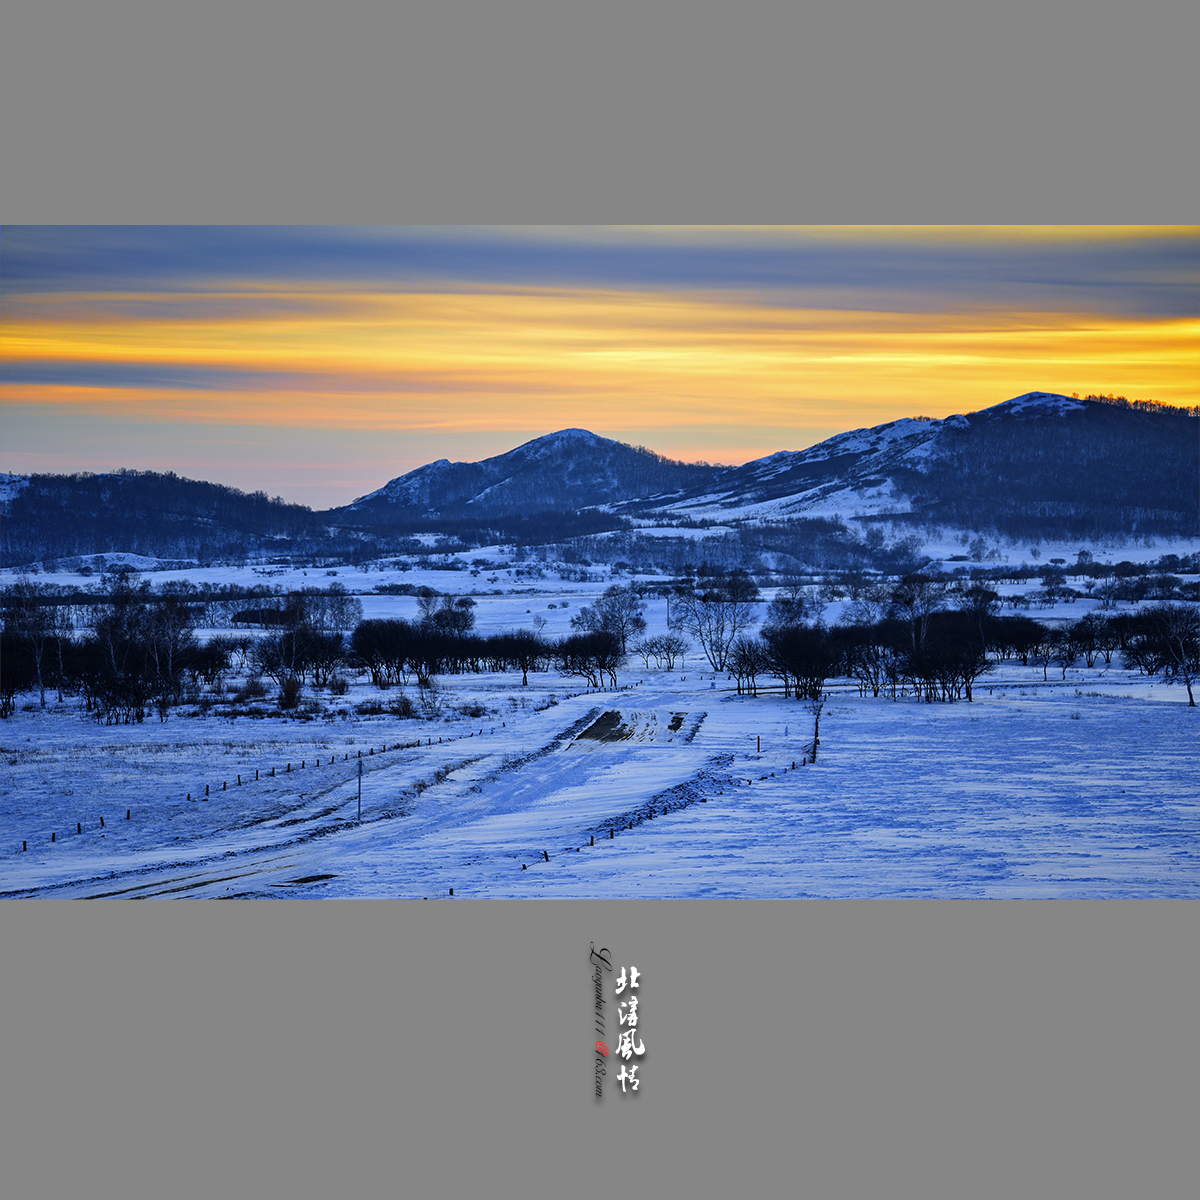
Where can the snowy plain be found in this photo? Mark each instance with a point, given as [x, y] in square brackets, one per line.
[672, 785]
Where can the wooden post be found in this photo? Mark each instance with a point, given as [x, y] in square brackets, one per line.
[593, 841]
[127, 814]
[53, 836]
[78, 826]
[206, 789]
[101, 822]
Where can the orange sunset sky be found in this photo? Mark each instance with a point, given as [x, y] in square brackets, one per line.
[317, 363]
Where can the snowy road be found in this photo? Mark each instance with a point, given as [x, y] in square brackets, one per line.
[660, 790]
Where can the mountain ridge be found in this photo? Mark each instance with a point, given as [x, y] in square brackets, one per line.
[1037, 465]
[568, 469]
[913, 468]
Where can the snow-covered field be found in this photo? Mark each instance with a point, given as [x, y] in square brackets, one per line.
[1082, 787]
[1077, 787]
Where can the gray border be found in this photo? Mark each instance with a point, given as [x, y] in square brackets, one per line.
[133, 113]
[826, 1048]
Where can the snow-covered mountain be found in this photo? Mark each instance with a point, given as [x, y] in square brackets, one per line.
[1035, 460]
[1039, 465]
[1038, 460]
[563, 471]
[860, 473]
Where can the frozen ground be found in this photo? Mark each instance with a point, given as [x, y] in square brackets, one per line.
[1079, 788]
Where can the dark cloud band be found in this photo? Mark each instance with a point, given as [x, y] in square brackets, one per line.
[1155, 276]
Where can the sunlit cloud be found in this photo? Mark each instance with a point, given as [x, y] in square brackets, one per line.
[720, 343]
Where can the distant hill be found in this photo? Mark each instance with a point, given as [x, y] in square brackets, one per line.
[144, 513]
[1040, 464]
[561, 472]
[1037, 466]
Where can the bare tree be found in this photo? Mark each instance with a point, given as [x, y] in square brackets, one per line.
[794, 601]
[591, 656]
[1170, 644]
[717, 610]
[30, 614]
[426, 604]
[803, 656]
[980, 604]
[870, 606]
[645, 649]
[525, 648]
[748, 658]
[618, 611]
[672, 646]
[914, 600]
[454, 616]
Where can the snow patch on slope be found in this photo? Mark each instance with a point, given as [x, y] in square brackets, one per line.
[1038, 404]
[11, 485]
